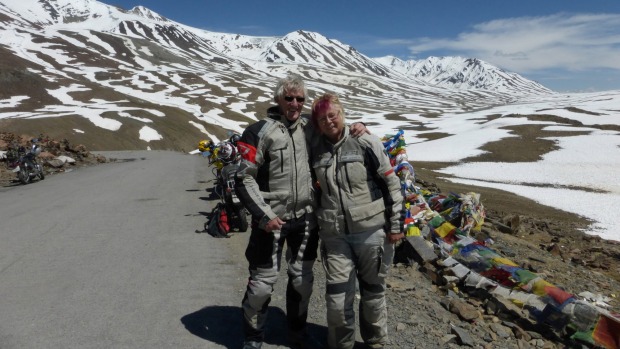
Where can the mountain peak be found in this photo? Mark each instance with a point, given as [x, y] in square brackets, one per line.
[129, 59]
[463, 73]
[146, 13]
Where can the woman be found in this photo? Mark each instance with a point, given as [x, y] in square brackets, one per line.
[360, 218]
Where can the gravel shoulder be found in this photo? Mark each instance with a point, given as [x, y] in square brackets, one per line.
[419, 311]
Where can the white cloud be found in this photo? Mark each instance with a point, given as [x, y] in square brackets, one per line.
[526, 44]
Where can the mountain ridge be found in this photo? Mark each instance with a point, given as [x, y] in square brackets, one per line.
[123, 69]
[310, 47]
[459, 72]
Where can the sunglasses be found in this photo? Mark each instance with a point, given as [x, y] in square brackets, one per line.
[298, 99]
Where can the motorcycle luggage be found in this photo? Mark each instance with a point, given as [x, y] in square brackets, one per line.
[237, 215]
[217, 224]
[237, 218]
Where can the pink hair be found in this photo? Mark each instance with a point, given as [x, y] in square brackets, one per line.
[322, 104]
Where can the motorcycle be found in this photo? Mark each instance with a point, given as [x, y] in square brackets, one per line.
[26, 166]
[225, 189]
[229, 214]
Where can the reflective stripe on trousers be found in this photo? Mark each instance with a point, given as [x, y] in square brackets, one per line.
[264, 254]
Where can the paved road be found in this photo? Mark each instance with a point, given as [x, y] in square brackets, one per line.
[107, 257]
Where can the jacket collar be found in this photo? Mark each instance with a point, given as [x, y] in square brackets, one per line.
[335, 146]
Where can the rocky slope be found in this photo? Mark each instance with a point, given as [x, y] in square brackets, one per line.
[56, 156]
[428, 309]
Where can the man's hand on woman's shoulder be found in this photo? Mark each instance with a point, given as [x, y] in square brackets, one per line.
[358, 128]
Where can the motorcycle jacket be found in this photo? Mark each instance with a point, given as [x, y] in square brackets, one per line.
[359, 190]
[274, 178]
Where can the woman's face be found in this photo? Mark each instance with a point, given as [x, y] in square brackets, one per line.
[331, 123]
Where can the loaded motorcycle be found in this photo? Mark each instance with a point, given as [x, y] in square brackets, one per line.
[26, 165]
[236, 212]
[225, 187]
[229, 214]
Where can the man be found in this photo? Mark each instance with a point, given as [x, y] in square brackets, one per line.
[275, 185]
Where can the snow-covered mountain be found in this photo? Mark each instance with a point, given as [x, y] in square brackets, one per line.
[106, 68]
[465, 73]
[115, 79]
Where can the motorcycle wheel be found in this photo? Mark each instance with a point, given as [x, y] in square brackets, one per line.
[23, 175]
[41, 172]
[243, 220]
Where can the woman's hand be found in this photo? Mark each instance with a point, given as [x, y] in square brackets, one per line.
[394, 238]
[274, 224]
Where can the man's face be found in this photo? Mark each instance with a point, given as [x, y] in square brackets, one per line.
[291, 104]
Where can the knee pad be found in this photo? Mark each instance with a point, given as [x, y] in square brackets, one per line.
[258, 292]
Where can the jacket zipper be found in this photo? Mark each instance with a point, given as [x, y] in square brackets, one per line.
[294, 173]
[337, 170]
[346, 171]
[282, 155]
[329, 189]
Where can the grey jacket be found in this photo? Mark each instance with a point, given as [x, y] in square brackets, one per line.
[359, 190]
[274, 178]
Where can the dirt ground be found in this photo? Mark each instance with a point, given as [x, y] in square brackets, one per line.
[547, 241]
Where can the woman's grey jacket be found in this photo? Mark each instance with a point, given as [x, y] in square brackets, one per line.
[363, 192]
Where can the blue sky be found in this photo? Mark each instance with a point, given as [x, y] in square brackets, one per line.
[566, 45]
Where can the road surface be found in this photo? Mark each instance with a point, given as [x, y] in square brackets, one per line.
[107, 257]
